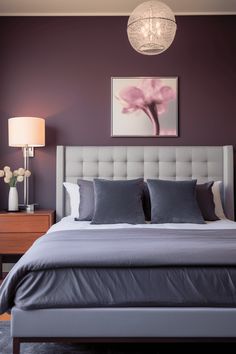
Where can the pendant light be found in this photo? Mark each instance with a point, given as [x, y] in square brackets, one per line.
[151, 28]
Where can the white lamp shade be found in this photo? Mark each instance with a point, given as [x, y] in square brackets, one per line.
[26, 131]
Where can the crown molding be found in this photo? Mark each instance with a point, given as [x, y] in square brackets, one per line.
[74, 14]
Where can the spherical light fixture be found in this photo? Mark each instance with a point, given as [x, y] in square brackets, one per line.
[151, 28]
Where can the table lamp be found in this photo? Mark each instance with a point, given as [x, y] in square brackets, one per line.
[27, 133]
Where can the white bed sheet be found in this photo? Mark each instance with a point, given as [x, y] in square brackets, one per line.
[68, 223]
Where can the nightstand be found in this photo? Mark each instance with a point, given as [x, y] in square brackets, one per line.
[19, 230]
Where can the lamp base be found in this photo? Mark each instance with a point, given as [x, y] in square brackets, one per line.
[29, 208]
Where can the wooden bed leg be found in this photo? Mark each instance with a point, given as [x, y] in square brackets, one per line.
[16, 345]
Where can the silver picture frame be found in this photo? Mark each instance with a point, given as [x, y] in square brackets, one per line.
[144, 106]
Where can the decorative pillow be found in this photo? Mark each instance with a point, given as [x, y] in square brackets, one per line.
[205, 201]
[86, 206]
[174, 202]
[146, 202]
[216, 189]
[74, 198]
[118, 202]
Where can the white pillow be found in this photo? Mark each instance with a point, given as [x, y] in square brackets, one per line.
[216, 189]
[74, 197]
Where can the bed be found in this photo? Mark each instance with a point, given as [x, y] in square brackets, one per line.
[132, 319]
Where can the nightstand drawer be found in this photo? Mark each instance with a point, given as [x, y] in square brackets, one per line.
[24, 223]
[17, 243]
[18, 231]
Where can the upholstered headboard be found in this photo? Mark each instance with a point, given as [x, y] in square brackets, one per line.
[203, 163]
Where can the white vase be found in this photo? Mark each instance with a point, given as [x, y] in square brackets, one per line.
[13, 199]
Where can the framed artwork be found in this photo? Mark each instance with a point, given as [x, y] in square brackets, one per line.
[144, 106]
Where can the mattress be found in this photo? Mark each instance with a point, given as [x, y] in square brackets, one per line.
[68, 223]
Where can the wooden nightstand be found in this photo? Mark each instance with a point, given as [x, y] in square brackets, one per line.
[18, 231]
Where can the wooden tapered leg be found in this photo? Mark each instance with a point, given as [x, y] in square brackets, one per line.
[16, 345]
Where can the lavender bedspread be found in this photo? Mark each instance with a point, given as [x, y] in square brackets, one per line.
[117, 249]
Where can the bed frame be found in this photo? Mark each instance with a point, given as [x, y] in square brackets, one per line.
[203, 163]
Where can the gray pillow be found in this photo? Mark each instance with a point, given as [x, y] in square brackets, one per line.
[118, 202]
[205, 201]
[86, 205]
[146, 202]
[174, 202]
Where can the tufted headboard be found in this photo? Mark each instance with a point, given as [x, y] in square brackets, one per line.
[203, 163]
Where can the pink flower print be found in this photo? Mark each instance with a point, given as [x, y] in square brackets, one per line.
[151, 97]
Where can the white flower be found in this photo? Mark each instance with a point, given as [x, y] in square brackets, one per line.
[9, 174]
[6, 180]
[15, 173]
[6, 168]
[27, 173]
[2, 173]
[21, 171]
[20, 178]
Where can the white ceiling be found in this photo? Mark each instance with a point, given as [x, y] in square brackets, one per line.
[110, 7]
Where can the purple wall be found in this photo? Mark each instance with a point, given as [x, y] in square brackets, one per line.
[60, 69]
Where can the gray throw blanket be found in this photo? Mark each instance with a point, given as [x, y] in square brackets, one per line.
[136, 247]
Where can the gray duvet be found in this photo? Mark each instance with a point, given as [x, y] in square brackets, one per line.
[125, 267]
